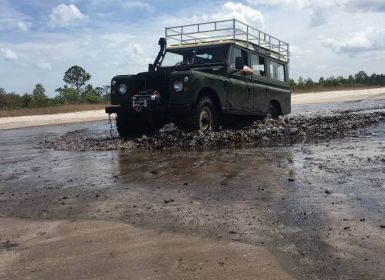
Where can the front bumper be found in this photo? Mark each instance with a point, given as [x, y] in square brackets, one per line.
[147, 104]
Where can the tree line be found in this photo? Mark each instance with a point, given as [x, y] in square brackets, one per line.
[357, 80]
[76, 90]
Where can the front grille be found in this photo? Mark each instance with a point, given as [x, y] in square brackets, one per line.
[151, 82]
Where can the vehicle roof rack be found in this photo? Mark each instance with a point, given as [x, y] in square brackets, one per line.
[231, 30]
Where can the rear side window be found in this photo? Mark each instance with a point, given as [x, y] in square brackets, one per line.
[277, 71]
[257, 63]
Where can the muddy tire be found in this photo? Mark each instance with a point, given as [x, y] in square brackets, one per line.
[204, 116]
[130, 126]
[272, 112]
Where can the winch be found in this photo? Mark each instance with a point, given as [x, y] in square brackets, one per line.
[140, 101]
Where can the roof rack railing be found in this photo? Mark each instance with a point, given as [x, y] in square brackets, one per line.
[226, 30]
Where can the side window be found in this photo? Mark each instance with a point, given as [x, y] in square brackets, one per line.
[236, 52]
[277, 71]
[257, 63]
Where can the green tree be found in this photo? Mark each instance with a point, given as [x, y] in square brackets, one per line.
[38, 95]
[361, 77]
[321, 82]
[340, 81]
[331, 82]
[374, 79]
[105, 91]
[91, 95]
[351, 80]
[309, 83]
[76, 77]
[26, 100]
[70, 95]
[3, 98]
[292, 84]
[301, 83]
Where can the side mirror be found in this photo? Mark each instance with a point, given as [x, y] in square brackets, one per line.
[239, 63]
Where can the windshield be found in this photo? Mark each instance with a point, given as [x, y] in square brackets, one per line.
[196, 56]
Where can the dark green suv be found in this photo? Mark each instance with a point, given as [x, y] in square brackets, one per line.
[210, 72]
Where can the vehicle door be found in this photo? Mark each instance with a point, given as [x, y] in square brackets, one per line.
[260, 90]
[278, 76]
[240, 86]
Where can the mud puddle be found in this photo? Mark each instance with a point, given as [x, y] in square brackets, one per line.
[286, 130]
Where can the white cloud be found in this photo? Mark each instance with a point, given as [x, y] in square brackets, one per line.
[348, 5]
[136, 4]
[8, 54]
[241, 12]
[44, 65]
[231, 10]
[114, 40]
[66, 15]
[319, 11]
[11, 19]
[128, 4]
[367, 5]
[23, 26]
[369, 40]
[297, 4]
[125, 49]
[136, 54]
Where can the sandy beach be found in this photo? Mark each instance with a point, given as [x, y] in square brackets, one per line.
[337, 96]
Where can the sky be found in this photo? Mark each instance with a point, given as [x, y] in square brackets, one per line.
[40, 40]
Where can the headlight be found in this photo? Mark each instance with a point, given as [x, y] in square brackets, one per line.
[178, 86]
[122, 88]
[113, 83]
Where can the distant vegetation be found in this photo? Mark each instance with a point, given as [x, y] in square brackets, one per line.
[361, 79]
[75, 91]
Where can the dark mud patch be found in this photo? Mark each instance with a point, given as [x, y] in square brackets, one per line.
[7, 245]
[287, 130]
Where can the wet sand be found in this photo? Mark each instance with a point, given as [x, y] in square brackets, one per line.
[113, 250]
[54, 119]
[338, 96]
[311, 209]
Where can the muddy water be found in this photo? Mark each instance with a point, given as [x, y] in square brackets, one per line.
[317, 205]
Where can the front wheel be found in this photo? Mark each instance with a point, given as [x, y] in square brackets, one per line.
[204, 117]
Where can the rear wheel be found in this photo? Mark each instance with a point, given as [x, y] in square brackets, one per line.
[272, 112]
